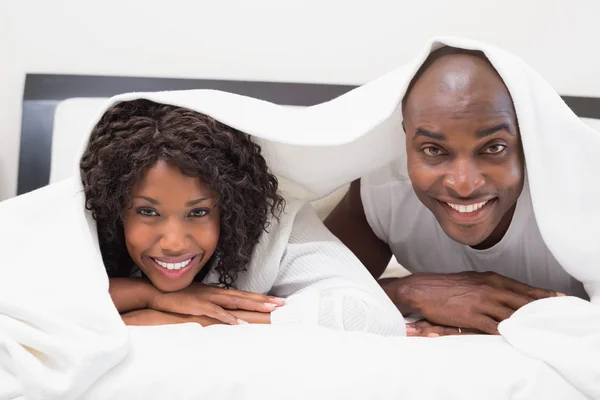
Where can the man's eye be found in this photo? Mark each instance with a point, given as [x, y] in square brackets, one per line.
[432, 151]
[146, 212]
[495, 149]
[200, 212]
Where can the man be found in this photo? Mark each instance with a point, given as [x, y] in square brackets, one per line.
[456, 212]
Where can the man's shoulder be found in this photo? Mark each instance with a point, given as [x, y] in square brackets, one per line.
[390, 203]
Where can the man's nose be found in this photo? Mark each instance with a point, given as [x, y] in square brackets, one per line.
[463, 178]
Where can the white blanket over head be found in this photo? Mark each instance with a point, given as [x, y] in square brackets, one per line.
[60, 336]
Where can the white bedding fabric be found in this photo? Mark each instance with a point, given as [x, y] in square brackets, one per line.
[61, 338]
[288, 262]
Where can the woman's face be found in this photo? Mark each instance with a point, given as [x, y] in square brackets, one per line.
[172, 227]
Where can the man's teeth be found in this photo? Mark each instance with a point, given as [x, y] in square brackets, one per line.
[468, 208]
[173, 266]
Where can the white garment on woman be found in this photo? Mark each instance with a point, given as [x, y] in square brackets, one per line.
[419, 243]
[323, 282]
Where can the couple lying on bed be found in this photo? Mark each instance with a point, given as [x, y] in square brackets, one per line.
[184, 204]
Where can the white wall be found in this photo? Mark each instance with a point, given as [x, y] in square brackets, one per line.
[301, 41]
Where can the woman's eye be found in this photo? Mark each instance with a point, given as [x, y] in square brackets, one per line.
[495, 149]
[201, 212]
[432, 151]
[146, 212]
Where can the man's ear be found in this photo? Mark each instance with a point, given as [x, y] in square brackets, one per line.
[403, 127]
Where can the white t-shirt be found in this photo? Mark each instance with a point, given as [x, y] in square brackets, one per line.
[419, 243]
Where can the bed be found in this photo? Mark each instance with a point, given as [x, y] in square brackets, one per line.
[274, 362]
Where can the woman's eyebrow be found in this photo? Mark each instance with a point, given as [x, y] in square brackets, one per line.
[194, 202]
[148, 199]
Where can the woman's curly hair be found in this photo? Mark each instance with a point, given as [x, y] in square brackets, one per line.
[133, 136]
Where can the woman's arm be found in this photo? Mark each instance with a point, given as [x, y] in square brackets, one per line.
[130, 294]
[325, 284]
[136, 299]
[149, 317]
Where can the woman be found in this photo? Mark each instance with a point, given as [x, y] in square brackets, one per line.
[187, 210]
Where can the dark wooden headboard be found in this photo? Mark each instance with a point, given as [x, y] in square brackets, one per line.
[44, 92]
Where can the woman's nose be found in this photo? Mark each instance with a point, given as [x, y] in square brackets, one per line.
[174, 238]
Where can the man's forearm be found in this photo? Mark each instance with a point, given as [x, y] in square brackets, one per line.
[130, 294]
[399, 292]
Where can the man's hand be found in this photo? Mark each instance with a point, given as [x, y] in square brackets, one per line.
[217, 303]
[469, 300]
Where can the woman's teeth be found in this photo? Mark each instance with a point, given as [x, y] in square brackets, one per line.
[467, 208]
[173, 266]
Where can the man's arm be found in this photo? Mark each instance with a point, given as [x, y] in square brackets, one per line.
[349, 223]
[470, 300]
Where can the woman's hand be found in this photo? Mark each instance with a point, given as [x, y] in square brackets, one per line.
[476, 301]
[426, 328]
[217, 303]
[148, 317]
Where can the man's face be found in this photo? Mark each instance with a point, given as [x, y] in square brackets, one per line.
[465, 158]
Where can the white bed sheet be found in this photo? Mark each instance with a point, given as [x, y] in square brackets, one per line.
[262, 362]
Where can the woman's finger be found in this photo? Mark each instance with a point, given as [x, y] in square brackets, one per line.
[233, 302]
[427, 329]
[417, 328]
[214, 311]
[247, 295]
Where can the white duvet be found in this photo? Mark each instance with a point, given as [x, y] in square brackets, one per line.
[61, 338]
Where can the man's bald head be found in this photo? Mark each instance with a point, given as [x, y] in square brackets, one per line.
[451, 71]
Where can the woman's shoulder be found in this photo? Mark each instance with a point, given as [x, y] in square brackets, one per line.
[280, 226]
[263, 268]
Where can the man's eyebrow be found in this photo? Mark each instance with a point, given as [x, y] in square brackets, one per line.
[490, 131]
[429, 134]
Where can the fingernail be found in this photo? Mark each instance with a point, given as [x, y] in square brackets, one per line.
[278, 299]
[558, 294]
[270, 305]
[242, 322]
[410, 330]
[432, 335]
